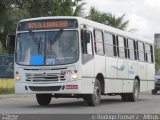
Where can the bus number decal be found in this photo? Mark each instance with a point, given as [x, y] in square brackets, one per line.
[63, 72]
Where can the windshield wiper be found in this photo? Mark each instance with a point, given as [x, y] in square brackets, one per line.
[57, 36]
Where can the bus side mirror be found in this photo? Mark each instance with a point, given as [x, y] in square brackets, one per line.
[10, 41]
[87, 37]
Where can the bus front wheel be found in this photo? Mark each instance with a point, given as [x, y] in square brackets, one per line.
[95, 98]
[43, 99]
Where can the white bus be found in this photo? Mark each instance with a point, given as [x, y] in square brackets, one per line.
[72, 57]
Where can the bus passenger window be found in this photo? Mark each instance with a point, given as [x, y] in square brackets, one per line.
[132, 51]
[149, 53]
[98, 42]
[121, 47]
[141, 51]
[135, 50]
[109, 43]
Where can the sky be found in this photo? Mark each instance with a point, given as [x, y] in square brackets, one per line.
[144, 15]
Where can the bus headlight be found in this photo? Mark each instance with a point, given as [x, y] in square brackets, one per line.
[74, 76]
[17, 76]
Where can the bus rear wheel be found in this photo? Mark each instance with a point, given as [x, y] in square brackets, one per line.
[43, 99]
[95, 98]
[154, 91]
[132, 97]
[124, 97]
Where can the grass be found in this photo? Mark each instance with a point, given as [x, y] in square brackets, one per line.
[5, 91]
[6, 86]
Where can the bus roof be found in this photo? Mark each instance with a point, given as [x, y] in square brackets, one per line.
[97, 26]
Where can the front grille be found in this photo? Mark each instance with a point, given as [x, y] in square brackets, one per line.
[39, 69]
[47, 77]
[49, 88]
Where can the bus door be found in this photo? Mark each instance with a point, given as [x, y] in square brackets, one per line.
[87, 60]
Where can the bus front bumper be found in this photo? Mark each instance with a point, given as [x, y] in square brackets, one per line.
[71, 87]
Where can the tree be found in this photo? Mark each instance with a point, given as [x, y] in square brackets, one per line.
[11, 11]
[97, 16]
[37, 8]
[157, 58]
[117, 22]
[6, 24]
[78, 4]
[108, 19]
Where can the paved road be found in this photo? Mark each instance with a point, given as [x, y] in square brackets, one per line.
[20, 104]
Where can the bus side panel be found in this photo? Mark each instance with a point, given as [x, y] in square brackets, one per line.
[88, 77]
[142, 75]
[131, 71]
[111, 75]
[122, 75]
[150, 76]
[99, 65]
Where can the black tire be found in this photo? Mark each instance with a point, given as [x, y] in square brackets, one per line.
[43, 99]
[154, 92]
[95, 98]
[124, 97]
[133, 97]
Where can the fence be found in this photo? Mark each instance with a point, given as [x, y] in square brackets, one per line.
[6, 73]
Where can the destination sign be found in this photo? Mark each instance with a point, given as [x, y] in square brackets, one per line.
[48, 24]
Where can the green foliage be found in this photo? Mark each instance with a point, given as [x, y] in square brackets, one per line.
[78, 8]
[11, 11]
[97, 16]
[37, 8]
[157, 58]
[5, 91]
[5, 21]
[108, 19]
[2, 49]
[117, 22]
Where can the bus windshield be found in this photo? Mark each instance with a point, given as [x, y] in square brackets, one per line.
[47, 48]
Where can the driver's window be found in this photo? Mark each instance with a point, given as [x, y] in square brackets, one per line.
[86, 43]
[89, 44]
